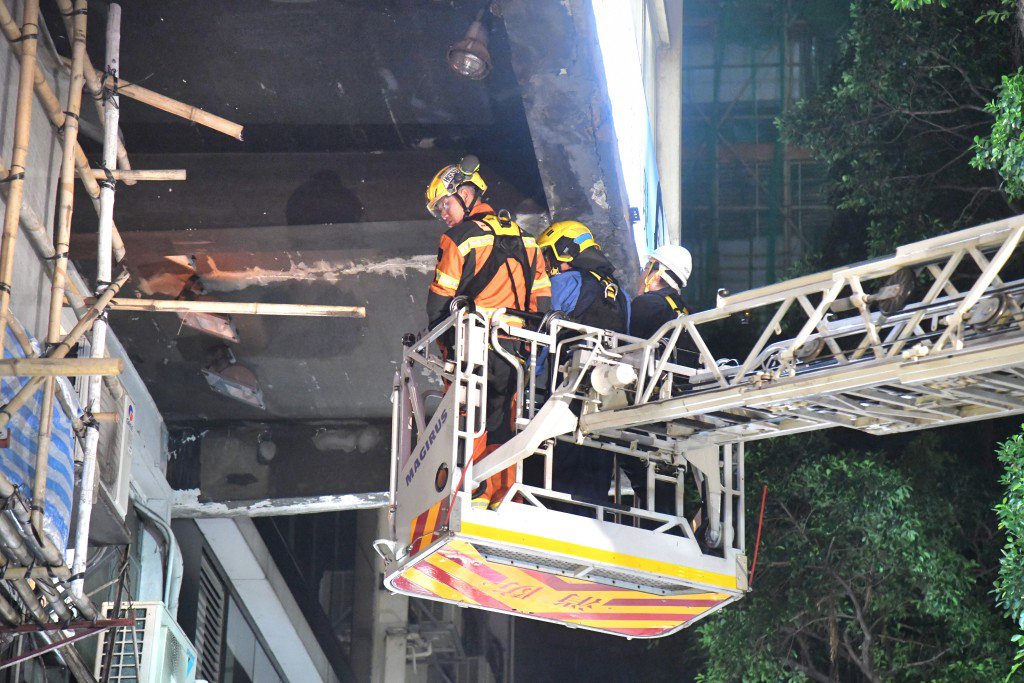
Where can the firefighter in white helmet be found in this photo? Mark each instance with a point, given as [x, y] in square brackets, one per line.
[660, 300]
[661, 291]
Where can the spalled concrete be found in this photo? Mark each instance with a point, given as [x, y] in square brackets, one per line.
[557, 62]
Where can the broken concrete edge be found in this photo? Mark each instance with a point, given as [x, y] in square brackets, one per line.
[187, 505]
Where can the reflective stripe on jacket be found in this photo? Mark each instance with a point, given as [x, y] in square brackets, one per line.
[463, 252]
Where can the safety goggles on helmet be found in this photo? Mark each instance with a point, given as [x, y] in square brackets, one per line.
[656, 269]
[441, 205]
[449, 179]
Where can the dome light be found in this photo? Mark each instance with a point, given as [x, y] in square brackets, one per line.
[469, 57]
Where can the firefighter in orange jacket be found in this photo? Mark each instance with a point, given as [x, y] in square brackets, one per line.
[485, 257]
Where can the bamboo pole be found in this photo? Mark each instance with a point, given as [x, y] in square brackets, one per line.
[40, 238]
[62, 242]
[19, 156]
[42, 457]
[61, 350]
[58, 118]
[239, 308]
[99, 329]
[92, 78]
[172, 106]
[22, 336]
[170, 174]
[60, 367]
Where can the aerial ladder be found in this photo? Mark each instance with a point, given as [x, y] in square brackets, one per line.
[927, 337]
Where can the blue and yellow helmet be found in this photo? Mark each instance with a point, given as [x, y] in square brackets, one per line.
[565, 240]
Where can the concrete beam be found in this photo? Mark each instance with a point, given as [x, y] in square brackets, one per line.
[271, 190]
[667, 114]
[187, 505]
[283, 467]
[558, 65]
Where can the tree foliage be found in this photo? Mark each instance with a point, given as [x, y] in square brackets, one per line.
[863, 575]
[1003, 148]
[878, 567]
[896, 122]
[1010, 585]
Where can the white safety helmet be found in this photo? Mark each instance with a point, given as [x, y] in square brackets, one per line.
[671, 263]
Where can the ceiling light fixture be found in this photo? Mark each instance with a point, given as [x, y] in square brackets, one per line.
[469, 57]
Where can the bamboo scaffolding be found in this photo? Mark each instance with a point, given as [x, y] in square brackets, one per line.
[172, 106]
[238, 308]
[54, 111]
[19, 156]
[169, 174]
[7, 612]
[23, 340]
[60, 367]
[99, 329]
[61, 350]
[92, 79]
[62, 243]
[45, 435]
[40, 238]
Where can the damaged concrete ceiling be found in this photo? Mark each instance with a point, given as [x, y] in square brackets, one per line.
[349, 108]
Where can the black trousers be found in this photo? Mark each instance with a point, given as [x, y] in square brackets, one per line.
[582, 471]
[501, 393]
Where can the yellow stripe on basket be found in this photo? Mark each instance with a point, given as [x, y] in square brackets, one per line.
[608, 556]
[608, 625]
[412, 528]
[432, 518]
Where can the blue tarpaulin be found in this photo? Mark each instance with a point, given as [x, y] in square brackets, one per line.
[17, 462]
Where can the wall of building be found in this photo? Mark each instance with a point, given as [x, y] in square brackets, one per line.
[752, 205]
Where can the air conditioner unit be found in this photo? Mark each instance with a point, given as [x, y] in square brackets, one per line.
[114, 454]
[154, 651]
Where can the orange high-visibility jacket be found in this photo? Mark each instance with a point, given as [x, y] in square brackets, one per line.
[464, 250]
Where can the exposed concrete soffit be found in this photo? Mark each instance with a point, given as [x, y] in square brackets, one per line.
[557, 63]
[186, 504]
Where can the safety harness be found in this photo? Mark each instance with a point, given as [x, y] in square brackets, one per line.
[676, 308]
[508, 246]
[598, 302]
[588, 295]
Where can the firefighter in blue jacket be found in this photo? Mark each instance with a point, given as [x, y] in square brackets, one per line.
[583, 286]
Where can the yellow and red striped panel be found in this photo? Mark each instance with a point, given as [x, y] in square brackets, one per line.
[425, 525]
[459, 573]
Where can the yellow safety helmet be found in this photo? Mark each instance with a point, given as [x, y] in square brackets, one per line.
[565, 240]
[450, 178]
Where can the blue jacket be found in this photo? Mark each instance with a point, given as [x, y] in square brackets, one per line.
[565, 293]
